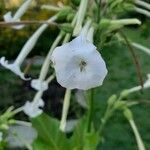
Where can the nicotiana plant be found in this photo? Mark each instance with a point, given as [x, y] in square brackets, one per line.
[76, 61]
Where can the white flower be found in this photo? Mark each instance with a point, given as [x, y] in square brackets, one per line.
[80, 97]
[1, 136]
[78, 64]
[29, 45]
[70, 125]
[13, 67]
[39, 85]
[32, 109]
[21, 136]
[20, 12]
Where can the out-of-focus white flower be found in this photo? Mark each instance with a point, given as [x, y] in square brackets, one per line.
[78, 64]
[39, 85]
[15, 67]
[70, 125]
[1, 136]
[20, 12]
[21, 136]
[145, 86]
[80, 97]
[32, 109]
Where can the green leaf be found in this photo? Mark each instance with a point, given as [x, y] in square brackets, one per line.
[39, 144]
[81, 140]
[91, 140]
[49, 134]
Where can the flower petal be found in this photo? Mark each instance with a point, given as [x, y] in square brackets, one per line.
[13, 67]
[39, 85]
[67, 59]
[32, 108]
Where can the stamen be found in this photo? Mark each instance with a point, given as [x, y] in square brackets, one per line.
[82, 65]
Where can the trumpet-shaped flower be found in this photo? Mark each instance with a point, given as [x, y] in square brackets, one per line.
[20, 12]
[20, 136]
[32, 109]
[39, 85]
[78, 64]
[29, 45]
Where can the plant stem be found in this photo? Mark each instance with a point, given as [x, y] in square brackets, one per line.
[66, 105]
[98, 3]
[46, 63]
[135, 59]
[90, 110]
[80, 16]
[137, 135]
[107, 115]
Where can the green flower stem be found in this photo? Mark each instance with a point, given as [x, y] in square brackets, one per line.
[46, 63]
[80, 16]
[16, 111]
[50, 78]
[90, 110]
[109, 112]
[137, 135]
[98, 3]
[66, 105]
[129, 117]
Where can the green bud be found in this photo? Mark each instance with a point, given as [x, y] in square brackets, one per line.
[12, 121]
[66, 27]
[112, 100]
[128, 114]
[70, 17]
[63, 13]
[104, 23]
[120, 105]
[4, 127]
[124, 93]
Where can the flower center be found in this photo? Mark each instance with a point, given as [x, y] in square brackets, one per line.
[82, 65]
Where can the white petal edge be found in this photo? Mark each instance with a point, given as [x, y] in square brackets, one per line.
[13, 67]
[8, 18]
[32, 109]
[39, 85]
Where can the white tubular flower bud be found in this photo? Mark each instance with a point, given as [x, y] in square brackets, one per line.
[15, 67]
[143, 4]
[142, 11]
